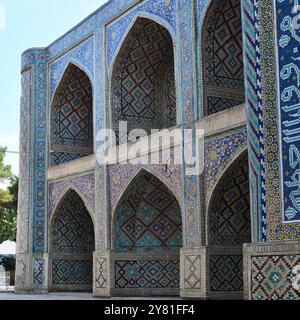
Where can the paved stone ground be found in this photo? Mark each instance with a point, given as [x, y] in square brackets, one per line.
[7, 289]
[68, 296]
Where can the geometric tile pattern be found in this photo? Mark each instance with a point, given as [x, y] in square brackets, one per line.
[72, 228]
[21, 269]
[165, 10]
[72, 114]
[101, 273]
[268, 137]
[217, 104]
[223, 55]
[275, 277]
[276, 230]
[187, 83]
[192, 272]
[25, 165]
[229, 213]
[39, 271]
[85, 185]
[139, 94]
[58, 158]
[82, 54]
[255, 110]
[272, 219]
[72, 233]
[170, 95]
[70, 272]
[226, 273]
[220, 150]
[188, 109]
[39, 154]
[121, 175]
[269, 115]
[147, 274]
[62, 46]
[148, 216]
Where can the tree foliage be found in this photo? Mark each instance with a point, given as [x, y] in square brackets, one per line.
[8, 201]
[8, 218]
[5, 174]
[5, 170]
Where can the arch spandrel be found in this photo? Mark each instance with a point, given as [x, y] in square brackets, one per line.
[122, 176]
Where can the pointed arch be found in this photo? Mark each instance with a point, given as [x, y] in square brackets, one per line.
[147, 188]
[227, 163]
[155, 173]
[142, 92]
[229, 228]
[222, 57]
[228, 212]
[146, 238]
[72, 130]
[83, 198]
[141, 15]
[72, 200]
[73, 61]
[72, 243]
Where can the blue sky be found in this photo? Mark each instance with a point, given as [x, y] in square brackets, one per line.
[29, 23]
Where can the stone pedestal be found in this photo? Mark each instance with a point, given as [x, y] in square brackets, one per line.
[23, 279]
[102, 274]
[193, 273]
[212, 272]
[131, 274]
[224, 272]
[272, 271]
[32, 273]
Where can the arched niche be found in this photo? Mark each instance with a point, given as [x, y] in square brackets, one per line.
[72, 243]
[143, 89]
[147, 237]
[229, 218]
[72, 117]
[222, 57]
[229, 227]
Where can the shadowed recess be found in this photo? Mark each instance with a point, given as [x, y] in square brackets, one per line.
[222, 56]
[143, 83]
[72, 117]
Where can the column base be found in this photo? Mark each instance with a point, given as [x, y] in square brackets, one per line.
[272, 271]
[102, 275]
[118, 274]
[31, 274]
[212, 272]
[193, 273]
